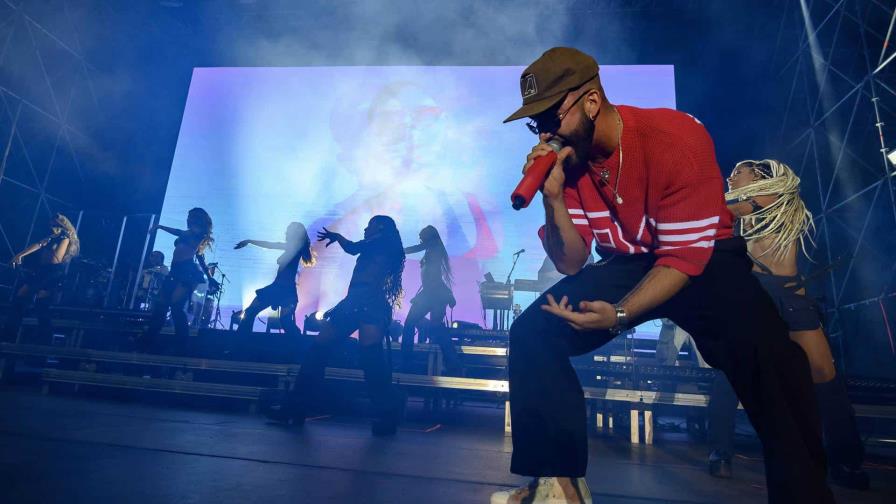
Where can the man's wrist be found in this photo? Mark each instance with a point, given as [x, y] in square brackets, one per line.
[622, 320]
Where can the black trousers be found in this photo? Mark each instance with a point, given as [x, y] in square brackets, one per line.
[737, 329]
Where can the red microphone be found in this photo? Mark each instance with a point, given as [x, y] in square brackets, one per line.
[535, 176]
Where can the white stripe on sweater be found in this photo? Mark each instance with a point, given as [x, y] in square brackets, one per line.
[687, 224]
[686, 237]
[702, 244]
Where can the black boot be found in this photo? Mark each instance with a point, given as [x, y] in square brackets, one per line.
[449, 353]
[843, 442]
[44, 321]
[407, 350]
[849, 477]
[722, 417]
[293, 408]
[388, 426]
[289, 410]
[386, 404]
[720, 464]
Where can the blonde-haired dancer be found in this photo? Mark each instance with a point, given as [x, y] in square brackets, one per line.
[43, 278]
[764, 195]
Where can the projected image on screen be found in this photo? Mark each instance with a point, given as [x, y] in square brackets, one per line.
[260, 148]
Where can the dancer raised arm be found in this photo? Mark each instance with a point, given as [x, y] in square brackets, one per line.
[374, 290]
[281, 294]
[188, 270]
[43, 280]
[263, 244]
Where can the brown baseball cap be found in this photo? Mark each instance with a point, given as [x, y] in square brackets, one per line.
[547, 80]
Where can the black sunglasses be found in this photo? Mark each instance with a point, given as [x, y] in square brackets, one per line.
[549, 121]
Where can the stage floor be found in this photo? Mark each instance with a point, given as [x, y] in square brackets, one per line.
[78, 449]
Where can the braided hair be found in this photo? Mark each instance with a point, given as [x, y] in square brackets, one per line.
[787, 219]
[390, 240]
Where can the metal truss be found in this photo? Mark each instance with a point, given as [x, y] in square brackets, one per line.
[45, 78]
[834, 131]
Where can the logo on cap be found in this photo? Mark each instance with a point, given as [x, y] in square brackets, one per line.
[529, 87]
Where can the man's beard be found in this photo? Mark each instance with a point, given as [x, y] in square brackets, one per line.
[580, 141]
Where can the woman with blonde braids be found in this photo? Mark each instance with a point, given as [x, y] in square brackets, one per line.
[56, 250]
[764, 196]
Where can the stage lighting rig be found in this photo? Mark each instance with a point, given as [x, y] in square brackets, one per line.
[312, 322]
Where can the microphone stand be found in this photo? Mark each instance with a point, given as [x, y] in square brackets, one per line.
[504, 313]
[516, 257]
[224, 278]
[217, 296]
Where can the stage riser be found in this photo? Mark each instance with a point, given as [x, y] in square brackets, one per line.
[141, 376]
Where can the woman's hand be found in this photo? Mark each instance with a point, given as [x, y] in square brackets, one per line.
[329, 236]
[16, 260]
[153, 229]
[241, 244]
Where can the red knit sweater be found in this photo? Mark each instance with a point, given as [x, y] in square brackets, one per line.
[672, 190]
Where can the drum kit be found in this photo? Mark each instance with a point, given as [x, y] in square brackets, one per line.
[203, 308]
[148, 288]
[205, 303]
[88, 281]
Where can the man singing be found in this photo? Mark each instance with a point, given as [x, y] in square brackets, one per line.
[644, 184]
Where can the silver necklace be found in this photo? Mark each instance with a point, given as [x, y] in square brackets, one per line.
[605, 173]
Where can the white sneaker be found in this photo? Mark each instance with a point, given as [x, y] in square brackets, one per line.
[546, 491]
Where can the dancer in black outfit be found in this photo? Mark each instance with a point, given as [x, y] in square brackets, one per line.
[56, 250]
[281, 293]
[188, 270]
[433, 298]
[374, 290]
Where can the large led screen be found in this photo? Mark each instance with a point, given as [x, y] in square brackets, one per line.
[332, 146]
